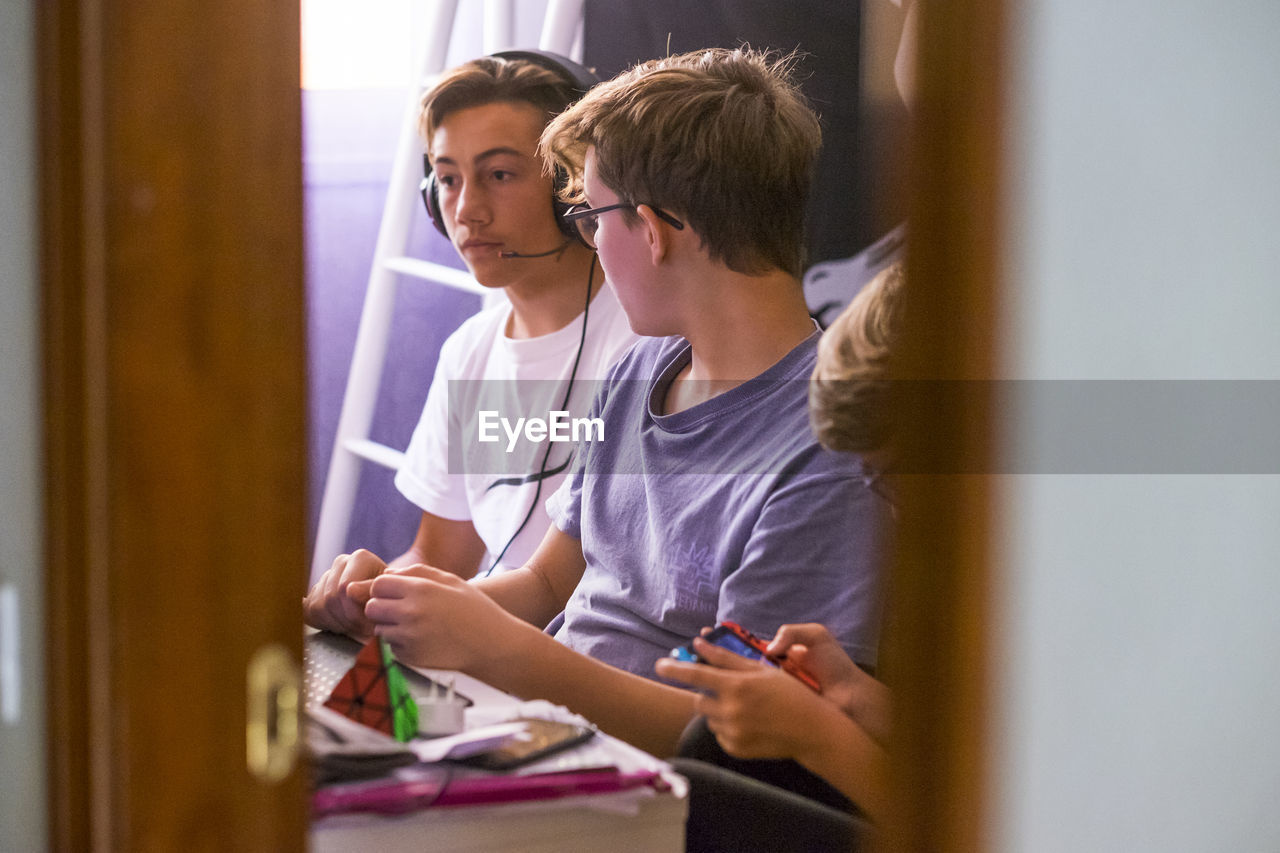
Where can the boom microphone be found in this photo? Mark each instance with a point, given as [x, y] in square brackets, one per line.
[557, 250]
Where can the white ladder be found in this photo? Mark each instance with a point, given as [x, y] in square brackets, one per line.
[352, 446]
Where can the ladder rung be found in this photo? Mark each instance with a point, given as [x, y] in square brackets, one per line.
[387, 457]
[439, 273]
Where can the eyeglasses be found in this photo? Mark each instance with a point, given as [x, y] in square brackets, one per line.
[587, 219]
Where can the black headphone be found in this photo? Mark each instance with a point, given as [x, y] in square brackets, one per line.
[579, 79]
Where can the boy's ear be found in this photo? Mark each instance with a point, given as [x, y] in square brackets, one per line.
[656, 231]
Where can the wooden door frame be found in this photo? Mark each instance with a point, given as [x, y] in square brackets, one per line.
[941, 649]
[127, 225]
[173, 387]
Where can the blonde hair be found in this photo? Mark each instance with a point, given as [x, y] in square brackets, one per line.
[848, 397]
[722, 139]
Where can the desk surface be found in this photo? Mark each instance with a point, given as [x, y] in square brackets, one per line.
[641, 819]
[655, 823]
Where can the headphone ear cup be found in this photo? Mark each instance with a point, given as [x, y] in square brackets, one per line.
[567, 228]
[431, 198]
[560, 208]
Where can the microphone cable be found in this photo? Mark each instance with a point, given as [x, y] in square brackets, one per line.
[564, 406]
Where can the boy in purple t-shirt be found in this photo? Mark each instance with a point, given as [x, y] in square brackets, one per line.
[725, 510]
[705, 497]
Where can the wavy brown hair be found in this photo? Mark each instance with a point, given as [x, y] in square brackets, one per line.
[493, 80]
[723, 139]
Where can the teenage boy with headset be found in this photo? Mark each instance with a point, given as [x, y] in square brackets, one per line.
[708, 498]
[486, 190]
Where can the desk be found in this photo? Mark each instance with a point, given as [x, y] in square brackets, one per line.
[552, 826]
[627, 820]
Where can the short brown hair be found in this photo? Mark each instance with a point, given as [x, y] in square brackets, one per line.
[848, 397]
[721, 138]
[492, 80]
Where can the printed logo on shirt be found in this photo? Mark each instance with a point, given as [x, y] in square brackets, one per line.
[695, 582]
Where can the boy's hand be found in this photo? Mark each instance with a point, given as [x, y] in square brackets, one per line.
[754, 710]
[814, 649]
[336, 602]
[434, 618]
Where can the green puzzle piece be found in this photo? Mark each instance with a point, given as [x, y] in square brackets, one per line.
[404, 708]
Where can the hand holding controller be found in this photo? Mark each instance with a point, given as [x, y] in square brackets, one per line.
[735, 638]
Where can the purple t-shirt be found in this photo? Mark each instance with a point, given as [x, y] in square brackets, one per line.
[726, 510]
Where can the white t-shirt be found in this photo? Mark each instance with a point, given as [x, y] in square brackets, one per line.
[446, 471]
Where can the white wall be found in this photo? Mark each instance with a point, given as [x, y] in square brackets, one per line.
[1140, 621]
[22, 810]
[368, 46]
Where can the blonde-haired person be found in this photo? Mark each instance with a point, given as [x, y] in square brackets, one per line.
[848, 397]
[707, 497]
[759, 714]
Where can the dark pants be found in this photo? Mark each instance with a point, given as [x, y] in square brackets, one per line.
[743, 805]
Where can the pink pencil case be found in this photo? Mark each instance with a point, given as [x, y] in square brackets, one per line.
[441, 789]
